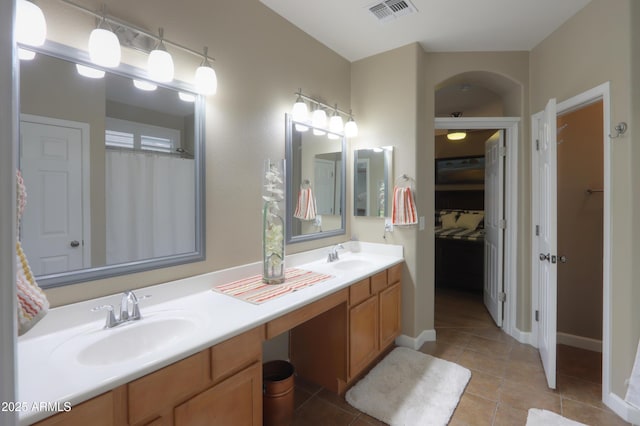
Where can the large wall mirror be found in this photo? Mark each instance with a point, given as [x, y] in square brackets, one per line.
[315, 182]
[372, 181]
[114, 174]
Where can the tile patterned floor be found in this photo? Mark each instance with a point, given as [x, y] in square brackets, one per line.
[507, 376]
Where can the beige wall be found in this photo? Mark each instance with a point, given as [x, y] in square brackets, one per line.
[580, 216]
[387, 115]
[261, 60]
[591, 48]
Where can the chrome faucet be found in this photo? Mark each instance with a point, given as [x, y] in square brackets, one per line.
[129, 310]
[333, 253]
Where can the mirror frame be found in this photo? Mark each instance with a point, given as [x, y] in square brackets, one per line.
[290, 238]
[72, 54]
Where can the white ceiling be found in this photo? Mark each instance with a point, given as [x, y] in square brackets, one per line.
[348, 28]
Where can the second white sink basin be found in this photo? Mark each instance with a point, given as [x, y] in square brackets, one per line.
[350, 264]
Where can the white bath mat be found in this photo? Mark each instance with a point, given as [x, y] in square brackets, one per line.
[537, 417]
[410, 388]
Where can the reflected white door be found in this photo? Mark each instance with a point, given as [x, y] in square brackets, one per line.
[51, 160]
[493, 224]
[324, 185]
[547, 240]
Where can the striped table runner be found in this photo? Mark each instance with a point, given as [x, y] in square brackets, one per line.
[253, 290]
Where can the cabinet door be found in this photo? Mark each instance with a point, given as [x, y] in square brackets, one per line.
[363, 334]
[103, 410]
[390, 314]
[236, 401]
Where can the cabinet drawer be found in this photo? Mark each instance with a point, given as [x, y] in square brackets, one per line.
[359, 291]
[236, 353]
[99, 411]
[378, 282]
[155, 392]
[394, 273]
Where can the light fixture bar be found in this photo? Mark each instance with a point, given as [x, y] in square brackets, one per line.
[118, 22]
[322, 104]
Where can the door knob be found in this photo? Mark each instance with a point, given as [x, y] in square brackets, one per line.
[562, 259]
[544, 257]
[74, 243]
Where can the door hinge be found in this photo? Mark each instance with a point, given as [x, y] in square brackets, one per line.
[502, 296]
[502, 151]
[502, 224]
[537, 316]
[537, 230]
[537, 144]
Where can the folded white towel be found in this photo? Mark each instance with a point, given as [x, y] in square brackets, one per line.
[403, 211]
[32, 302]
[306, 207]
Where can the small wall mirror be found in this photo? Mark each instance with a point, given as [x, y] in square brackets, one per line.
[114, 175]
[315, 182]
[372, 181]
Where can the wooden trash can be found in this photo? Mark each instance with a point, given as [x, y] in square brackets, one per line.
[277, 393]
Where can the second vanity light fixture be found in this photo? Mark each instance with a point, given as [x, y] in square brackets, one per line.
[318, 118]
[105, 50]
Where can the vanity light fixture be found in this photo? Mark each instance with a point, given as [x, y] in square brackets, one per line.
[336, 125]
[89, 72]
[104, 47]
[318, 120]
[351, 128]
[160, 63]
[300, 113]
[31, 28]
[206, 79]
[145, 85]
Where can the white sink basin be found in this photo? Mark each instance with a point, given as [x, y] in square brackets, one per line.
[128, 341]
[350, 264]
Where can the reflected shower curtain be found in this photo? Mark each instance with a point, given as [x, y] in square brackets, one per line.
[150, 206]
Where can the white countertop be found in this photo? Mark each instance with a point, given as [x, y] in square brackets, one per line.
[49, 371]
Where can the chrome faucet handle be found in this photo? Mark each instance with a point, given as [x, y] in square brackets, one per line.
[111, 317]
[129, 298]
[335, 251]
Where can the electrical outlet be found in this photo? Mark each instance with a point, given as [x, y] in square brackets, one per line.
[388, 224]
[421, 223]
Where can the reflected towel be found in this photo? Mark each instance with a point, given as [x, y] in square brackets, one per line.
[32, 302]
[633, 391]
[403, 211]
[306, 207]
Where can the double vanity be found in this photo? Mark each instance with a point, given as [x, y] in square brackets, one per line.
[196, 354]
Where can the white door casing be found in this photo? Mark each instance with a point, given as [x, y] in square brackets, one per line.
[54, 164]
[493, 224]
[324, 185]
[545, 204]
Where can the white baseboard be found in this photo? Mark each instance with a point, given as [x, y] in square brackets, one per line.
[416, 342]
[628, 412]
[522, 336]
[579, 342]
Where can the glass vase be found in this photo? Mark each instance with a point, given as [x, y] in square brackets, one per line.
[273, 222]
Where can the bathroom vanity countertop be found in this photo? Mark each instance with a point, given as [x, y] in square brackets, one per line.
[51, 371]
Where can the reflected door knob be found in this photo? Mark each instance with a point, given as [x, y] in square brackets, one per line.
[74, 243]
[562, 259]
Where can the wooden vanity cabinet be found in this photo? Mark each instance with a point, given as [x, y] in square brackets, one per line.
[221, 385]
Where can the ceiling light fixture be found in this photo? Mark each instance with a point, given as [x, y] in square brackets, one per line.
[160, 63]
[206, 79]
[456, 135]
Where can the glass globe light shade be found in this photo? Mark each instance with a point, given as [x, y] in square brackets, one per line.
[160, 65]
[319, 121]
[187, 97]
[104, 48]
[26, 55]
[89, 72]
[144, 85]
[31, 27]
[335, 124]
[206, 80]
[351, 129]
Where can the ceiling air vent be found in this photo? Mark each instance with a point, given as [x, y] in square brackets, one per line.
[391, 9]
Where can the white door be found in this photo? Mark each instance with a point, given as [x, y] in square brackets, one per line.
[493, 224]
[547, 237]
[324, 182]
[51, 161]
